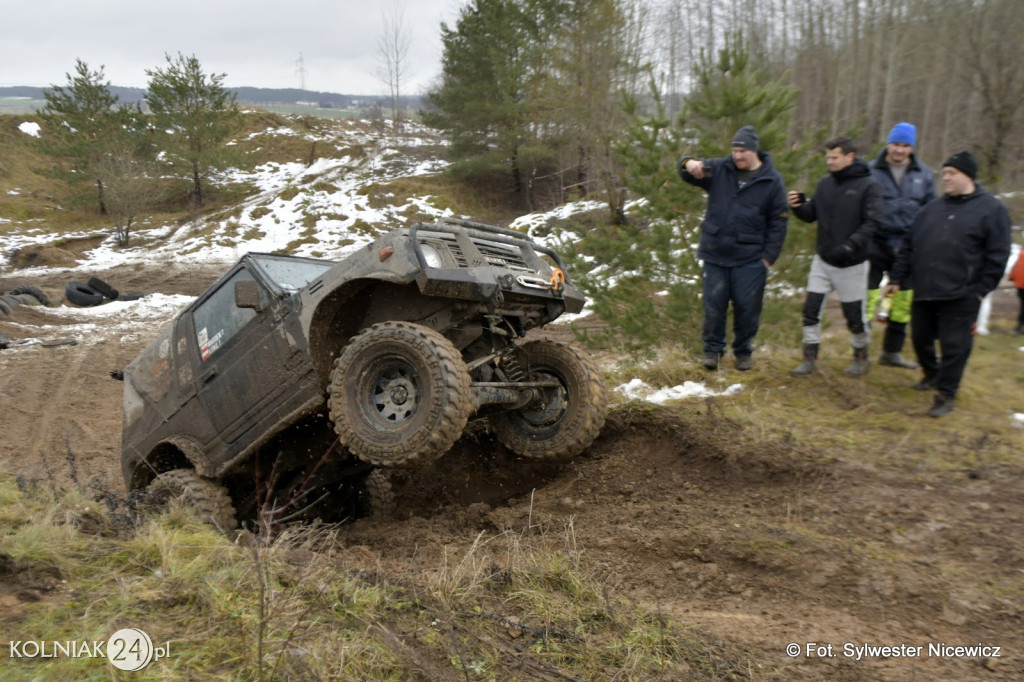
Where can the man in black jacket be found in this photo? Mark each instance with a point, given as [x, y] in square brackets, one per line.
[848, 206]
[954, 254]
[741, 236]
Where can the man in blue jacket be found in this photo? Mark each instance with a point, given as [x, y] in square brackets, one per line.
[906, 185]
[741, 236]
[954, 254]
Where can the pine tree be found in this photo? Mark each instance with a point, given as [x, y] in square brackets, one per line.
[479, 103]
[197, 115]
[81, 119]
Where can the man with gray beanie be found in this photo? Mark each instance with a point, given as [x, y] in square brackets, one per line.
[741, 236]
[906, 185]
[954, 254]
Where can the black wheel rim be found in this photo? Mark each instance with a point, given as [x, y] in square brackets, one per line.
[553, 403]
[391, 393]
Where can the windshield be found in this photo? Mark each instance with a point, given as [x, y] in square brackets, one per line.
[291, 274]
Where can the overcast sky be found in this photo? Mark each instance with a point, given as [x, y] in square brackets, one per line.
[254, 42]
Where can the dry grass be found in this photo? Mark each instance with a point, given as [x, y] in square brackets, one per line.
[305, 607]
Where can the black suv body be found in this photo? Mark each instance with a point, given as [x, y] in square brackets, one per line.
[293, 378]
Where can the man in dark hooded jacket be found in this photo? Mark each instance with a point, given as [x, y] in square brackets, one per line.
[847, 204]
[954, 254]
[741, 236]
[906, 185]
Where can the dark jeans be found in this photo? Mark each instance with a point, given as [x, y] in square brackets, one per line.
[744, 286]
[951, 324]
[1020, 315]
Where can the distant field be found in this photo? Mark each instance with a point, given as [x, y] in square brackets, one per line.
[25, 105]
[19, 105]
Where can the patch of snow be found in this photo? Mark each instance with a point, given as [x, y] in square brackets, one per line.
[638, 389]
[117, 320]
[30, 128]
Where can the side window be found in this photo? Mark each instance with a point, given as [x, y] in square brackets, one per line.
[218, 319]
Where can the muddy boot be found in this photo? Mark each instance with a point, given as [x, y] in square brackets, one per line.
[711, 360]
[942, 406]
[896, 360]
[859, 366]
[810, 361]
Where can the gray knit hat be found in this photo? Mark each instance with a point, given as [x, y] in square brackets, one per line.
[746, 138]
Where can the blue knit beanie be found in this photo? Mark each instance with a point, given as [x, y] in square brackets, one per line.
[903, 132]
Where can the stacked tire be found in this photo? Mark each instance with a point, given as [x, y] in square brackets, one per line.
[94, 292]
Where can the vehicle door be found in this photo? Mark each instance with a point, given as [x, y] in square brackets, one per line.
[240, 353]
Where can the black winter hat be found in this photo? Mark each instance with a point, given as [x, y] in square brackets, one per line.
[963, 162]
[746, 138]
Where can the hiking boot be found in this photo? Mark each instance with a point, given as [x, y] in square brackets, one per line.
[809, 363]
[711, 360]
[744, 362]
[1019, 329]
[926, 384]
[896, 360]
[860, 365]
[942, 406]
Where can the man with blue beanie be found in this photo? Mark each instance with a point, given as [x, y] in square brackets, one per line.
[906, 185]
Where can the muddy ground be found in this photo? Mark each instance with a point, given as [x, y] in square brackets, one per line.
[760, 545]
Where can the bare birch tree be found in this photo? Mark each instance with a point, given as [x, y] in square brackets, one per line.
[393, 57]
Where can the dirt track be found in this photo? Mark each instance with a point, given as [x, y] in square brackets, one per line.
[754, 544]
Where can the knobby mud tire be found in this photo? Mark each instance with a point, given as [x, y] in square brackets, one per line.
[376, 496]
[399, 395]
[568, 419]
[210, 499]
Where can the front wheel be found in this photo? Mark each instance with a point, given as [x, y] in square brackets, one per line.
[568, 417]
[399, 395]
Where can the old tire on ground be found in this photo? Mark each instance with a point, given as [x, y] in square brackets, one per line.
[567, 419]
[399, 395]
[376, 497]
[32, 291]
[103, 288]
[210, 499]
[82, 295]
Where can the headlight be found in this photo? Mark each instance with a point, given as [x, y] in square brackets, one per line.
[431, 255]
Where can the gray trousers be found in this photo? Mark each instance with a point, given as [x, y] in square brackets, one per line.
[851, 285]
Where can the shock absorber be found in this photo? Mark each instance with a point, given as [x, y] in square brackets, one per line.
[513, 370]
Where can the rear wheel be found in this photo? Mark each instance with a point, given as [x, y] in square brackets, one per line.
[210, 499]
[568, 417]
[399, 395]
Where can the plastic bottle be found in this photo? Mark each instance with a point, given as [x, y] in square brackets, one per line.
[884, 308]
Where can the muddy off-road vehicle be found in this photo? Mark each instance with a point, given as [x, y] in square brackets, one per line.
[293, 383]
